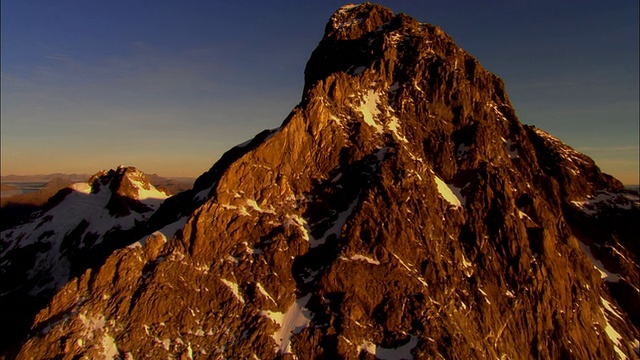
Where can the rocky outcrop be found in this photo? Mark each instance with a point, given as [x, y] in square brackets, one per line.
[400, 211]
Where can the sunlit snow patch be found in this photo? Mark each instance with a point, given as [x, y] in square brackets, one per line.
[369, 109]
[394, 126]
[607, 305]
[147, 193]
[450, 193]
[254, 205]
[82, 187]
[234, 289]
[292, 322]
[359, 257]
[614, 336]
[265, 293]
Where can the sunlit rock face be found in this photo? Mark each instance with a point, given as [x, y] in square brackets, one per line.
[400, 211]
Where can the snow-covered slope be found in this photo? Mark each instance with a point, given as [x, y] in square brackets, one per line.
[78, 218]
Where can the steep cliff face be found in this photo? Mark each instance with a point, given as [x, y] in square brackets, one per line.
[400, 211]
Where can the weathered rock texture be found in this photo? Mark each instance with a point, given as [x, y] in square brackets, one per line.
[400, 211]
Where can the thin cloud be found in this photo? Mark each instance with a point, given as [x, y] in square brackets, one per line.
[609, 148]
[58, 57]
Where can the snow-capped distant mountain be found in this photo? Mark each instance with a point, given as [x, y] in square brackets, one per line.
[77, 218]
[78, 228]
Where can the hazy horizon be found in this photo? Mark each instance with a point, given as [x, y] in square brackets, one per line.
[168, 88]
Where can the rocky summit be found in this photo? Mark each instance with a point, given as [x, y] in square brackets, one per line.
[401, 211]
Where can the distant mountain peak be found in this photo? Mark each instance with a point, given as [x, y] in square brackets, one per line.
[80, 224]
[127, 182]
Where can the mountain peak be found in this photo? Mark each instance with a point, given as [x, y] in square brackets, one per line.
[127, 182]
[353, 21]
[400, 211]
[79, 225]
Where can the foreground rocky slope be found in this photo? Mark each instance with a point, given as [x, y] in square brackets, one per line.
[400, 211]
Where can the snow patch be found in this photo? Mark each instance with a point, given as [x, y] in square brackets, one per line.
[369, 109]
[291, 323]
[394, 127]
[625, 201]
[203, 194]
[486, 297]
[614, 336]
[109, 347]
[82, 187]
[234, 289]
[165, 233]
[336, 119]
[597, 264]
[450, 193]
[463, 150]
[149, 194]
[300, 223]
[358, 257]
[346, 8]
[512, 150]
[336, 227]
[523, 215]
[607, 305]
[170, 230]
[254, 205]
[265, 293]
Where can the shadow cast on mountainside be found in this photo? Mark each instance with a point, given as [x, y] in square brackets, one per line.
[13, 214]
[27, 289]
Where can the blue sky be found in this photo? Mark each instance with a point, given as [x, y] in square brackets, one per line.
[168, 86]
